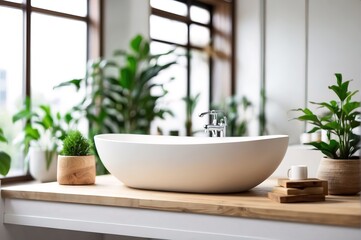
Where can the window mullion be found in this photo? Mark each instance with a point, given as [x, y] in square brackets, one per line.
[188, 49]
[27, 48]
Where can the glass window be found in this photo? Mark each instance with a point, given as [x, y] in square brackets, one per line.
[199, 35]
[199, 82]
[168, 30]
[62, 41]
[75, 7]
[192, 77]
[176, 88]
[58, 53]
[11, 83]
[200, 15]
[170, 6]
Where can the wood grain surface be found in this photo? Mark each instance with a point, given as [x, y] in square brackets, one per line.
[108, 191]
[298, 191]
[281, 198]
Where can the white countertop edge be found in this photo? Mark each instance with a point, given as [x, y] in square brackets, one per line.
[161, 224]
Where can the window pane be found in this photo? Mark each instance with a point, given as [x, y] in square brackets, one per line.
[58, 55]
[75, 7]
[16, 1]
[200, 84]
[11, 83]
[200, 15]
[168, 30]
[176, 88]
[200, 36]
[170, 6]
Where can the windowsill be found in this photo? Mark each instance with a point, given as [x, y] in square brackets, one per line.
[16, 180]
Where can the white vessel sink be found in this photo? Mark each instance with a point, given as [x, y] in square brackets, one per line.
[191, 164]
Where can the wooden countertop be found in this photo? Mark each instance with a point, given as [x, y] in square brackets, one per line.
[108, 191]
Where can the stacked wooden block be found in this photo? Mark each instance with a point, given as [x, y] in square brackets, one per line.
[291, 191]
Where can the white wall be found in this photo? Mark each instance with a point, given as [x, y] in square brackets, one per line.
[123, 19]
[306, 42]
[334, 45]
[248, 61]
[285, 64]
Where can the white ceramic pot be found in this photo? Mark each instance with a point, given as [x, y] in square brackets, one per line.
[37, 165]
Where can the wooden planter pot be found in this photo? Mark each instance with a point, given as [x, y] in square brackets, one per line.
[76, 170]
[343, 175]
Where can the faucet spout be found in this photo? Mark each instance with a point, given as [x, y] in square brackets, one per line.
[216, 127]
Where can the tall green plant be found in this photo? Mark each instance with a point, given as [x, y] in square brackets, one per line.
[340, 121]
[5, 159]
[120, 92]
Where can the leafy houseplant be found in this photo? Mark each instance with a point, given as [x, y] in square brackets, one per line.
[75, 164]
[5, 159]
[43, 129]
[120, 93]
[340, 122]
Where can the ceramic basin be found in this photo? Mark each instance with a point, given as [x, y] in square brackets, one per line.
[191, 164]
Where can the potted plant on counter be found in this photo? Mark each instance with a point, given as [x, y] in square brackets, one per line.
[75, 164]
[340, 167]
[42, 133]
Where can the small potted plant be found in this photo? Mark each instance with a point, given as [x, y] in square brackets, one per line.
[340, 167]
[75, 164]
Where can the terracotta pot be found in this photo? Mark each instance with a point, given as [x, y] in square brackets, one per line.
[343, 175]
[76, 170]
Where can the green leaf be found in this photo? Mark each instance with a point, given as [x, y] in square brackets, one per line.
[329, 149]
[331, 125]
[2, 136]
[74, 82]
[338, 78]
[23, 114]
[315, 129]
[125, 78]
[68, 118]
[145, 50]
[5, 162]
[132, 64]
[348, 107]
[46, 109]
[32, 133]
[135, 43]
[312, 118]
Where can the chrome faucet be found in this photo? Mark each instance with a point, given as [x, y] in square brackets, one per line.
[216, 126]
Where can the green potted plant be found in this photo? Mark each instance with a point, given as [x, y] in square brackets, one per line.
[121, 95]
[340, 166]
[40, 139]
[76, 164]
[5, 159]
